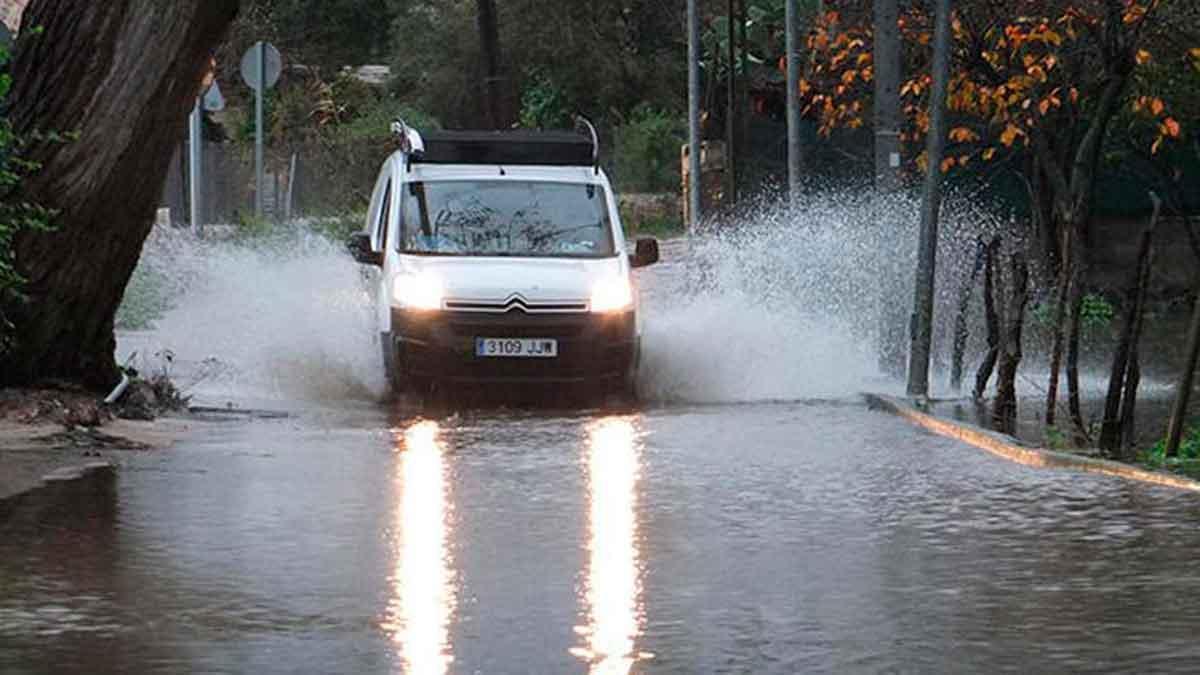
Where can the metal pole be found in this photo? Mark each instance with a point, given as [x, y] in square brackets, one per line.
[291, 186]
[195, 141]
[731, 109]
[693, 114]
[922, 338]
[1186, 381]
[792, 19]
[260, 181]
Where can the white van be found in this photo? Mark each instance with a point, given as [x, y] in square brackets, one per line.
[503, 261]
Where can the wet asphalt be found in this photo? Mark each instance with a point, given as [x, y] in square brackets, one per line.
[811, 536]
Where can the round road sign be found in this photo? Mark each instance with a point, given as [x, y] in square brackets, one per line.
[274, 65]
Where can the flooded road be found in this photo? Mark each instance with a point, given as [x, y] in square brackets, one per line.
[795, 537]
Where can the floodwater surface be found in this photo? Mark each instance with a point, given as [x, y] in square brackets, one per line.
[800, 537]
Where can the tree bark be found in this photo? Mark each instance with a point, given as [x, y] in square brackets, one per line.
[1056, 352]
[1074, 327]
[1183, 391]
[1004, 415]
[993, 323]
[121, 75]
[1124, 363]
[961, 332]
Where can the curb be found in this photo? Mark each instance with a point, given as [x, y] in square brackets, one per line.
[1013, 450]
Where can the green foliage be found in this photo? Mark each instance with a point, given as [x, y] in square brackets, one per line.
[1095, 312]
[1188, 458]
[1056, 439]
[648, 150]
[543, 104]
[16, 213]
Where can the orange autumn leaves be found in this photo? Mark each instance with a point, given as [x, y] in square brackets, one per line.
[1012, 76]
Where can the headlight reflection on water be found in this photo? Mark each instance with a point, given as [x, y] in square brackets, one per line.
[423, 583]
[613, 593]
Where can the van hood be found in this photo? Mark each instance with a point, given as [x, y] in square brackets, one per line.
[497, 280]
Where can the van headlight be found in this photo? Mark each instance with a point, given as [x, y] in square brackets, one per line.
[417, 291]
[614, 294]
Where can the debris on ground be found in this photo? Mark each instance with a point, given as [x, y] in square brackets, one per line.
[64, 405]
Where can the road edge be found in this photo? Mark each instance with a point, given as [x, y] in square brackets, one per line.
[56, 484]
[1014, 450]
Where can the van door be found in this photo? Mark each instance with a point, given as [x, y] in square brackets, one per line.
[380, 217]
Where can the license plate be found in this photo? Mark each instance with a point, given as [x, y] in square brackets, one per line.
[516, 348]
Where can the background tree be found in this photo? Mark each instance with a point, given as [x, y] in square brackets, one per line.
[120, 77]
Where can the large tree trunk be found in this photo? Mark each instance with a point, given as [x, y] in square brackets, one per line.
[121, 75]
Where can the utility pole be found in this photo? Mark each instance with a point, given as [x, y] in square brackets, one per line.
[731, 149]
[892, 317]
[693, 19]
[1186, 382]
[489, 35]
[792, 19]
[887, 96]
[931, 202]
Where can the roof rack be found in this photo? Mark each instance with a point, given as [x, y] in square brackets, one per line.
[510, 147]
[409, 139]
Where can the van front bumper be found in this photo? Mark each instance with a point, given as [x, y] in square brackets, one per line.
[600, 348]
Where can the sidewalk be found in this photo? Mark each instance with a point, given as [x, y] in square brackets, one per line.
[1015, 450]
[34, 455]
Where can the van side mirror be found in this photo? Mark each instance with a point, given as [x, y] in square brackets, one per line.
[646, 253]
[359, 245]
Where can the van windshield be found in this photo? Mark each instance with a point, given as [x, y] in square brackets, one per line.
[506, 218]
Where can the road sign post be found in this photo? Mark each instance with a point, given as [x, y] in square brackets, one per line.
[261, 68]
[195, 140]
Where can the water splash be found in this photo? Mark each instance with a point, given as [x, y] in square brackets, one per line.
[786, 304]
[285, 319]
[776, 304]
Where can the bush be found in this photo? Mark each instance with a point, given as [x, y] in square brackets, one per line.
[543, 104]
[648, 150]
[1189, 450]
[1095, 312]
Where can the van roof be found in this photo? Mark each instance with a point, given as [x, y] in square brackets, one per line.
[517, 147]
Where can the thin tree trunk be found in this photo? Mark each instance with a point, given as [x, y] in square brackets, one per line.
[1074, 328]
[1005, 409]
[961, 332]
[123, 76]
[1183, 391]
[1133, 379]
[1056, 352]
[993, 323]
[1111, 434]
